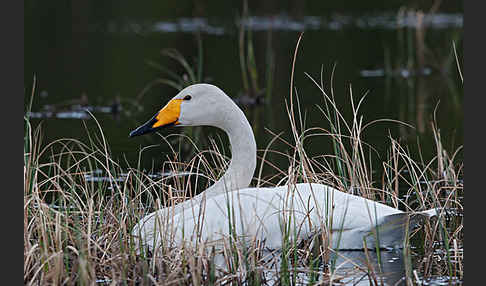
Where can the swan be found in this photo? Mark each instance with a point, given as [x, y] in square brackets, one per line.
[230, 207]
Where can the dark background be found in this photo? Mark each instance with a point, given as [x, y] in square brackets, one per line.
[95, 53]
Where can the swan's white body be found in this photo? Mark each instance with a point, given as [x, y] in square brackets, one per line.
[229, 207]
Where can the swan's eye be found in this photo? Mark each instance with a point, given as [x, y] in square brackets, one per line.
[187, 97]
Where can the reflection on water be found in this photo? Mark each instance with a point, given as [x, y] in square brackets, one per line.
[351, 268]
[354, 266]
[359, 268]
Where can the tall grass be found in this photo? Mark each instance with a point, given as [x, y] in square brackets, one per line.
[192, 71]
[251, 80]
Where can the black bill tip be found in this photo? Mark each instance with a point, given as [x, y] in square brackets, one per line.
[145, 128]
[140, 131]
[148, 127]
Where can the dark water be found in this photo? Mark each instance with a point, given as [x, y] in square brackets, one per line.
[96, 56]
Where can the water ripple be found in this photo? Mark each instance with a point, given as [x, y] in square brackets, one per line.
[334, 22]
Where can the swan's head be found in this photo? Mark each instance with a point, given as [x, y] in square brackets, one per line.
[195, 105]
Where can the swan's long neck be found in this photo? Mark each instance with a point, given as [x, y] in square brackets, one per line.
[243, 156]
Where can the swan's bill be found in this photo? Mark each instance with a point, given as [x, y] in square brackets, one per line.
[167, 116]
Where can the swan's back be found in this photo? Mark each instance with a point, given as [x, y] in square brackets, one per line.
[265, 214]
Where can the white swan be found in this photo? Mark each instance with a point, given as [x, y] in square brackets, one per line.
[259, 213]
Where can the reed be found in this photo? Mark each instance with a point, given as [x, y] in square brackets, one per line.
[192, 70]
[251, 80]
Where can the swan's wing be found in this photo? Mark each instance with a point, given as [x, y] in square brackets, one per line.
[340, 211]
